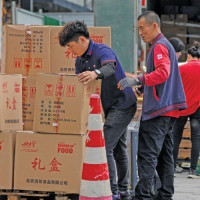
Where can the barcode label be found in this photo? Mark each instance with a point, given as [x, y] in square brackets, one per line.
[12, 121]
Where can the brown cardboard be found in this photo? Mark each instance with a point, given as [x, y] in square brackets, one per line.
[62, 103]
[48, 162]
[28, 96]
[181, 22]
[11, 102]
[62, 60]
[7, 146]
[167, 21]
[25, 49]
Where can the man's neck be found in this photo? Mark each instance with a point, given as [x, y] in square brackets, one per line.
[86, 49]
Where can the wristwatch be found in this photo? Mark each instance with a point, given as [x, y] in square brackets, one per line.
[99, 75]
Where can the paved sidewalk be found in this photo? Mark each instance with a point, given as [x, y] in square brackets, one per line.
[186, 188]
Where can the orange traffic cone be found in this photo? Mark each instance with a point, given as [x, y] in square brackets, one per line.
[95, 182]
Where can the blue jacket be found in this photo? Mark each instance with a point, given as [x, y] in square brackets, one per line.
[165, 97]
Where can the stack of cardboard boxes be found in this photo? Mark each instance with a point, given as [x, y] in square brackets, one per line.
[175, 26]
[179, 26]
[49, 145]
[10, 121]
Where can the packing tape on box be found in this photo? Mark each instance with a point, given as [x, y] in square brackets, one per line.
[55, 124]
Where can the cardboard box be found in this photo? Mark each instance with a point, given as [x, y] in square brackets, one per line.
[62, 60]
[7, 147]
[25, 49]
[28, 95]
[29, 50]
[167, 21]
[181, 22]
[62, 103]
[11, 102]
[48, 162]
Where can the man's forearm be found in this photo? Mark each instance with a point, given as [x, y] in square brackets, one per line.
[108, 69]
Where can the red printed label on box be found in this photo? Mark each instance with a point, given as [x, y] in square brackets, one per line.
[38, 63]
[65, 148]
[32, 92]
[17, 63]
[4, 87]
[71, 91]
[49, 89]
[29, 146]
[1, 142]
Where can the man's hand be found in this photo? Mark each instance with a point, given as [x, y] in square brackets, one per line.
[127, 82]
[87, 76]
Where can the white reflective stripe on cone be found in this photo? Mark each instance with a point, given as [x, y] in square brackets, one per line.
[95, 122]
[95, 155]
[95, 188]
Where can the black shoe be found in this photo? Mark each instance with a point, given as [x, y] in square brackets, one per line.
[116, 197]
[134, 198]
[125, 195]
[193, 174]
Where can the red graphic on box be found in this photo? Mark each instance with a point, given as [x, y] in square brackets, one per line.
[49, 88]
[69, 54]
[32, 92]
[17, 87]
[27, 63]
[56, 39]
[37, 164]
[4, 87]
[65, 148]
[25, 92]
[17, 63]
[97, 38]
[8, 103]
[38, 63]
[71, 91]
[97, 90]
[29, 146]
[60, 90]
[1, 142]
[54, 165]
[11, 104]
[14, 103]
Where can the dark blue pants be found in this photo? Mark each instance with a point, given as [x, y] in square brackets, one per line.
[155, 152]
[116, 147]
[195, 136]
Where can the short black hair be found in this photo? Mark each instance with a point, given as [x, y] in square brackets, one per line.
[72, 31]
[150, 17]
[177, 44]
[194, 51]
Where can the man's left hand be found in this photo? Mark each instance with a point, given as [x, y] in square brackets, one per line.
[87, 76]
[127, 82]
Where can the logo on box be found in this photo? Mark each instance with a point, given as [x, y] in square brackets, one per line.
[71, 91]
[38, 63]
[29, 146]
[17, 63]
[49, 90]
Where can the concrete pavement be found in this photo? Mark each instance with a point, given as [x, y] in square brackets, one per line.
[186, 188]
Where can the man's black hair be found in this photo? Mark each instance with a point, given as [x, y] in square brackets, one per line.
[72, 31]
[150, 17]
[177, 44]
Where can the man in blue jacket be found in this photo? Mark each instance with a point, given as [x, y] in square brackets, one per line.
[98, 61]
[163, 97]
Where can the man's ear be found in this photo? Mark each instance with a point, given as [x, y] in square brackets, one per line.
[155, 25]
[82, 38]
